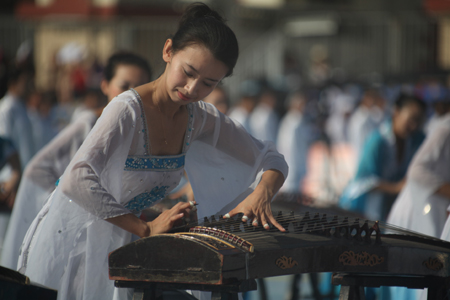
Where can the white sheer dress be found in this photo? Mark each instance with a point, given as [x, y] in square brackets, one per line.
[113, 174]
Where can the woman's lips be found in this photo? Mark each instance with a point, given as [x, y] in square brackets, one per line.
[183, 97]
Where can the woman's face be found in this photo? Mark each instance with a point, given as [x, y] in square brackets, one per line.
[191, 73]
[125, 77]
[407, 119]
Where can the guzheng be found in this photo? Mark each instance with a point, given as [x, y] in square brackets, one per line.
[225, 251]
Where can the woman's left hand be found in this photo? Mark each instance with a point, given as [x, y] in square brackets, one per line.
[256, 206]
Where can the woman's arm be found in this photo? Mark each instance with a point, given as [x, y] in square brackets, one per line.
[257, 205]
[392, 188]
[230, 171]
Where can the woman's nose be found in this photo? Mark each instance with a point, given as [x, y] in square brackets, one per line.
[191, 87]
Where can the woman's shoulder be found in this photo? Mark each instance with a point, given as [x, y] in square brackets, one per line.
[126, 101]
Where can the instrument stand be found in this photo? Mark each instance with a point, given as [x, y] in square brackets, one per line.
[352, 285]
[152, 290]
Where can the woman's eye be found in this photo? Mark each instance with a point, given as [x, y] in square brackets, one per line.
[188, 74]
[208, 85]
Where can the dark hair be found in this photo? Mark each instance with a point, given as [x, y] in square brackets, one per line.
[16, 71]
[202, 25]
[405, 100]
[125, 58]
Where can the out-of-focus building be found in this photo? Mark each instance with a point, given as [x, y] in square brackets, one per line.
[285, 41]
[440, 9]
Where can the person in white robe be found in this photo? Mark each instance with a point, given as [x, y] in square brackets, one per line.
[441, 107]
[422, 206]
[15, 126]
[384, 160]
[14, 122]
[123, 70]
[367, 117]
[295, 136]
[136, 154]
[263, 120]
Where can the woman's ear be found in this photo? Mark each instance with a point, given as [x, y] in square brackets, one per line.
[104, 86]
[167, 51]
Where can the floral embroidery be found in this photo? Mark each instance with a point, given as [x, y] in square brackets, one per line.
[154, 163]
[145, 200]
[144, 121]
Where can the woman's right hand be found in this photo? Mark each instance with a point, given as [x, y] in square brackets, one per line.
[166, 220]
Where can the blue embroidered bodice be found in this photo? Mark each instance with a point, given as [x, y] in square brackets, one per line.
[167, 166]
[154, 164]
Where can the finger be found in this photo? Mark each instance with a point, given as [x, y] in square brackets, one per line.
[276, 224]
[264, 222]
[255, 222]
[180, 206]
[176, 217]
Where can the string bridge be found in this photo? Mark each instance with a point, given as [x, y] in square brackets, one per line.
[224, 235]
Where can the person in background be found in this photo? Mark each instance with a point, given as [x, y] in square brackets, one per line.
[384, 159]
[295, 136]
[242, 110]
[441, 107]
[263, 120]
[15, 124]
[423, 204]
[123, 71]
[40, 111]
[8, 188]
[367, 117]
[219, 99]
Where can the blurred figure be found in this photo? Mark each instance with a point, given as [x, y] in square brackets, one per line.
[92, 100]
[246, 104]
[123, 71]
[341, 107]
[263, 120]
[40, 107]
[423, 204]
[219, 99]
[70, 80]
[8, 188]
[295, 136]
[441, 107]
[384, 160]
[242, 110]
[14, 122]
[9, 156]
[366, 118]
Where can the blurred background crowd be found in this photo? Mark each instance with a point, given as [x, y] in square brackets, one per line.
[346, 89]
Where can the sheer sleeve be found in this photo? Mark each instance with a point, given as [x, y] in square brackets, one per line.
[93, 178]
[429, 168]
[48, 165]
[225, 163]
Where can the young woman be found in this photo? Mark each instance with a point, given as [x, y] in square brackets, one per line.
[384, 159]
[123, 71]
[136, 154]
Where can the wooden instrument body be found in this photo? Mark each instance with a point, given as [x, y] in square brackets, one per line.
[200, 258]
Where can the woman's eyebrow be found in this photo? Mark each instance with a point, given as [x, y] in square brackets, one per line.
[215, 80]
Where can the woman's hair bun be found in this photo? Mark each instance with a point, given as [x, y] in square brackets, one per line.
[198, 10]
[203, 26]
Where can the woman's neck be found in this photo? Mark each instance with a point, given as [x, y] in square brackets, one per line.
[156, 95]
